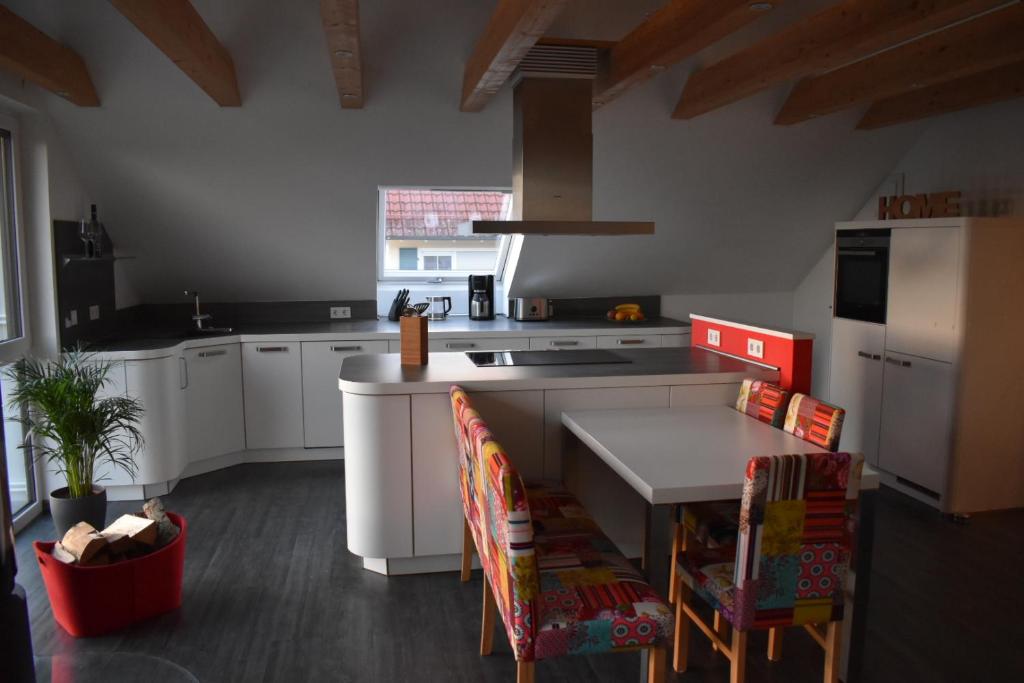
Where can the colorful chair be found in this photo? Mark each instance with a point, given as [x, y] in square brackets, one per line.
[814, 421]
[766, 403]
[763, 401]
[789, 564]
[565, 590]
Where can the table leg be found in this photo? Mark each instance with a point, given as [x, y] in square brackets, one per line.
[865, 549]
[657, 557]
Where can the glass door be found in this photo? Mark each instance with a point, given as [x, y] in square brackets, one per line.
[21, 474]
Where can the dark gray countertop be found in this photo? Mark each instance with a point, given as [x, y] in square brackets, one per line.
[383, 374]
[453, 326]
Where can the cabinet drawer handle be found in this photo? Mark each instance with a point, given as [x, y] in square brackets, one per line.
[898, 362]
[625, 342]
[211, 354]
[864, 354]
[460, 345]
[272, 349]
[563, 342]
[906, 363]
[347, 348]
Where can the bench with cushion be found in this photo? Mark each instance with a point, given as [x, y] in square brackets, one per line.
[560, 586]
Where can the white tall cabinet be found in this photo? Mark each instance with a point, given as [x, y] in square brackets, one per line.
[929, 395]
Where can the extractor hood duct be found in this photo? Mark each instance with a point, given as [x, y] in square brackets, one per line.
[552, 185]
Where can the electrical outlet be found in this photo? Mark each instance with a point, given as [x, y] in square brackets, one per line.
[755, 348]
[338, 312]
[94, 313]
[72, 318]
[714, 337]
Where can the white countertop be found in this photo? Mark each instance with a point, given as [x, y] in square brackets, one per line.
[383, 374]
[684, 455]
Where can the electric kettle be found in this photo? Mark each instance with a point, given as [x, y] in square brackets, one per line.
[438, 307]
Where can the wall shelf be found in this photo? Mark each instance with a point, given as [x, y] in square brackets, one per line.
[65, 260]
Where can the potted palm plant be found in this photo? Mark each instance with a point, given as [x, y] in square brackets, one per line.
[74, 429]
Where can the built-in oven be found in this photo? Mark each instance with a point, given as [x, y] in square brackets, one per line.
[862, 274]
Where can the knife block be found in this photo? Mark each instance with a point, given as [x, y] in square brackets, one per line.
[413, 333]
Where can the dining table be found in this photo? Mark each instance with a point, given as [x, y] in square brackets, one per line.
[674, 456]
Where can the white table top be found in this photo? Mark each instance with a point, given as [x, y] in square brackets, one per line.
[684, 455]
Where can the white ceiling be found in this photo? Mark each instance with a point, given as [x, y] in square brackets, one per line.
[276, 199]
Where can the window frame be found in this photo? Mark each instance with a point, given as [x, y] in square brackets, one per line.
[431, 277]
[10, 241]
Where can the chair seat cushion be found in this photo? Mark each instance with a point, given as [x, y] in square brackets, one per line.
[710, 572]
[714, 524]
[591, 598]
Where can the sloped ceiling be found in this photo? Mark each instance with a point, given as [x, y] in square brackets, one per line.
[277, 199]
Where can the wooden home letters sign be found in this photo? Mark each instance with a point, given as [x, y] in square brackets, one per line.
[935, 205]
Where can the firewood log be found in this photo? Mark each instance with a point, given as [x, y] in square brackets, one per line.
[83, 542]
[138, 529]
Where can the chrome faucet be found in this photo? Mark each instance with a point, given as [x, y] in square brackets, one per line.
[197, 317]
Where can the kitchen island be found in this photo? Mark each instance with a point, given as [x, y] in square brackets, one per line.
[402, 500]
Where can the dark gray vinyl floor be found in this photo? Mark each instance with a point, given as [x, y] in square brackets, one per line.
[272, 594]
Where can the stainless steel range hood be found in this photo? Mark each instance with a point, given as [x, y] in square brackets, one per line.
[552, 185]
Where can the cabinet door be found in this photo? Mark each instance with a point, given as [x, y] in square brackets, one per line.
[478, 344]
[213, 401]
[675, 339]
[567, 342]
[159, 383]
[630, 341]
[321, 398]
[924, 270]
[855, 383]
[272, 377]
[917, 412]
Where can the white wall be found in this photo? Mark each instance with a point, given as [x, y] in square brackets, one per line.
[760, 308]
[277, 199]
[978, 151]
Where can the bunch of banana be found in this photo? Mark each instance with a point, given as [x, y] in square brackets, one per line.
[629, 312]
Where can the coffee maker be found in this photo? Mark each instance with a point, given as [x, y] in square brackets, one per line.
[481, 297]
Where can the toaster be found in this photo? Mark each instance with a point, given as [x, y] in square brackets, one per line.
[530, 309]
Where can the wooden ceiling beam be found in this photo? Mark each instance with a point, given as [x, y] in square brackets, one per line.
[36, 57]
[989, 41]
[835, 36]
[1002, 83]
[512, 30]
[341, 27]
[678, 30]
[176, 28]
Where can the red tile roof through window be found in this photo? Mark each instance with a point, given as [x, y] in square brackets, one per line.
[432, 214]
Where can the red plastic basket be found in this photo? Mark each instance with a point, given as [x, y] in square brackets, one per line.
[91, 601]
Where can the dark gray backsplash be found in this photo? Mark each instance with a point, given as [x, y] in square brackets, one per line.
[81, 284]
[599, 306]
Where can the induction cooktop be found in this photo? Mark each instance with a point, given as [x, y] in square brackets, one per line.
[487, 359]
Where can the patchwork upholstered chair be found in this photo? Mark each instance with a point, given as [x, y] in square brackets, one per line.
[789, 564]
[814, 421]
[559, 585]
[718, 520]
[763, 401]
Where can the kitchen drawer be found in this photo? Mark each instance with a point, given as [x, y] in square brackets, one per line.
[675, 340]
[478, 344]
[552, 343]
[630, 341]
[321, 398]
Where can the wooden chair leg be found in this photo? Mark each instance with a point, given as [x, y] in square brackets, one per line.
[721, 628]
[467, 551]
[775, 644]
[487, 623]
[681, 654]
[677, 546]
[656, 665]
[833, 645]
[738, 668]
[524, 672]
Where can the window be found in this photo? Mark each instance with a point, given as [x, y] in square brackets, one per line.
[425, 234]
[10, 313]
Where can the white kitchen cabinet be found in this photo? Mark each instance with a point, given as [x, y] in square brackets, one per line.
[321, 398]
[630, 341]
[478, 344]
[855, 383]
[924, 281]
[559, 343]
[117, 385]
[272, 380]
[214, 417]
[917, 415]
[159, 384]
[672, 340]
